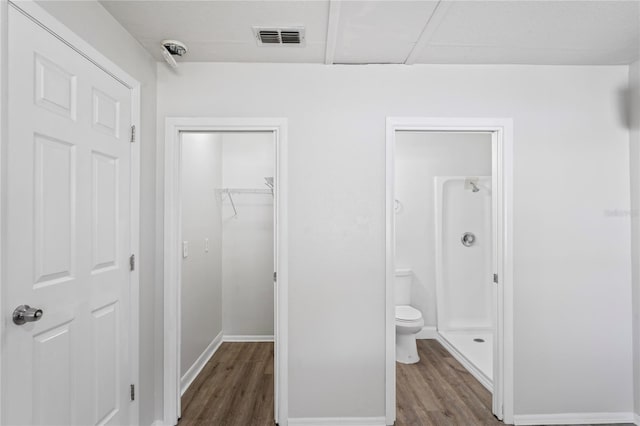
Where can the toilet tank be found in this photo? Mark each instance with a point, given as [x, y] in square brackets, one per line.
[404, 278]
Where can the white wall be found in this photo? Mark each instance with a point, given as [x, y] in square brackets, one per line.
[633, 96]
[95, 25]
[247, 243]
[421, 156]
[572, 251]
[201, 292]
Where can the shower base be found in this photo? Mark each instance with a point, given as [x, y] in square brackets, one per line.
[476, 357]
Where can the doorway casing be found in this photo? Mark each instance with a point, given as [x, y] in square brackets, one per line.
[174, 126]
[501, 130]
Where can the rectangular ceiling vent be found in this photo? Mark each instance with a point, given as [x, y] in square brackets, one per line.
[290, 36]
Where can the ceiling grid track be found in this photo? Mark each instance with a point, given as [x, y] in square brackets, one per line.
[434, 21]
[332, 31]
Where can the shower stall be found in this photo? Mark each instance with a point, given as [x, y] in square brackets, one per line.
[465, 292]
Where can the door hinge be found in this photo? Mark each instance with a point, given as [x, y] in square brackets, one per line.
[132, 262]
[133, 392]
[275, 276]
[495, 278]
[133, 133]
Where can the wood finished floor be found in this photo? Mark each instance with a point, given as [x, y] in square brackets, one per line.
[438, 390]
[235, 388]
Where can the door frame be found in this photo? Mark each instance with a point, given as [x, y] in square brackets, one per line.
[172, 252]
[45, 20]
[501, 130]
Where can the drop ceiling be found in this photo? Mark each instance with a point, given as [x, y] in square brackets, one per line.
[393, 31]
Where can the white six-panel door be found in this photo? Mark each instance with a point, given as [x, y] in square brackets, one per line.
[67, 235]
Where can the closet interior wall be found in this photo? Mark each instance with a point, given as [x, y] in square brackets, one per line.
[227, 233]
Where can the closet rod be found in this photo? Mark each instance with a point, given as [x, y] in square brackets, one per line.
[230, 191]
[246, 191]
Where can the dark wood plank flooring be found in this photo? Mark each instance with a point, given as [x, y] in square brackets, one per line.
[438, 390]
[235, 388]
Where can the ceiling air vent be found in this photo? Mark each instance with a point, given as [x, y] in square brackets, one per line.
[292, 36]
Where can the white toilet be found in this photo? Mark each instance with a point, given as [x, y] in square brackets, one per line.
[409, 320]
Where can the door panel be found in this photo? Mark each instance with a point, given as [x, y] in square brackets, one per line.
[105, 352]
[55, 88]
[105, 215]
[106, 113]
[68, 234]
[54, 227]
[53, 376]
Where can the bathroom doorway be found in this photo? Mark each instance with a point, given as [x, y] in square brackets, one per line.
[444, 241]
[225, 269]
[447, 177]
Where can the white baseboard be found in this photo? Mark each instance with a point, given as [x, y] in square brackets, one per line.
[246, 338]
[637, 419]
[573, 418]
[197, 366]
[471, 368]
[428, 332]
[157, 423]
[338, 421]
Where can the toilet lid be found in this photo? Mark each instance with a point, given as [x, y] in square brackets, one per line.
[407, 313]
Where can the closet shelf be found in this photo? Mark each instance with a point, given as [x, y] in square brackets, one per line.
[246, 191]
[230, 191]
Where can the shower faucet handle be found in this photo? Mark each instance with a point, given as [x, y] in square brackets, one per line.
[468, 239]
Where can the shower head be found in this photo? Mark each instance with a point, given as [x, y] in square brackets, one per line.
[472, 184]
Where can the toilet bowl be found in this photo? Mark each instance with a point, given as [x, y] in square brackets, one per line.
[409, 322]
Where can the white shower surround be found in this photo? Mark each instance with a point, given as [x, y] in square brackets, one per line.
[464, 294]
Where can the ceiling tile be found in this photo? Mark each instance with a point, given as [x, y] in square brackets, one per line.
[524, 56]
[245, 52]
[222, 30]
[537, 32]
[380, 31]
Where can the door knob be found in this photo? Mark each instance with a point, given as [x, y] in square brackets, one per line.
[25, 313]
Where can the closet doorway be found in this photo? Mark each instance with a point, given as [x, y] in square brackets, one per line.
[225, 266]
